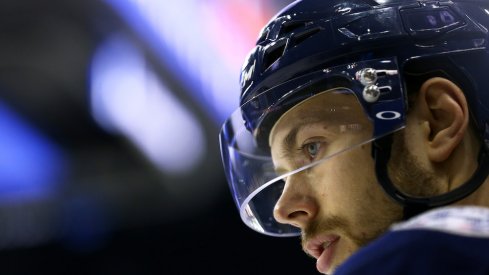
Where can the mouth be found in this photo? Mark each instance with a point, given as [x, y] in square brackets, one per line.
[322, 248]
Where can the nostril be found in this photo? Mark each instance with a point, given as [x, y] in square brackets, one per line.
[296, 211]
[298, 215]
[297, 205]
[297, 218]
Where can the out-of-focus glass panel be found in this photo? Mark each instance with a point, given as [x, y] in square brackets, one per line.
[128, 98]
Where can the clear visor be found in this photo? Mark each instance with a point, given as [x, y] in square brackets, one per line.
[313, 131]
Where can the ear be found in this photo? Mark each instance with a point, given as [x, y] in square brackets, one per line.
[442, 104]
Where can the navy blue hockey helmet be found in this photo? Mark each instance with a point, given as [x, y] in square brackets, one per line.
[364, 49]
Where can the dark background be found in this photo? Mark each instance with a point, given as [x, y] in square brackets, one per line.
[109, 210]
[216, 242]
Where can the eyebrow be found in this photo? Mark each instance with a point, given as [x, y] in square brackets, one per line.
[287, 145]
[290, 140]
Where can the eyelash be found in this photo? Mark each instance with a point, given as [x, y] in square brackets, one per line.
[304, 149]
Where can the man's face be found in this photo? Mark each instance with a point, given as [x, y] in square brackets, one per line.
[337, 204]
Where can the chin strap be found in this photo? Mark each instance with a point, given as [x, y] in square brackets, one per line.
[381, 151]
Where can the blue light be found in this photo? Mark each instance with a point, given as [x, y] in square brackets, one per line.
[181, 42]
[128, 98]
[30, 165]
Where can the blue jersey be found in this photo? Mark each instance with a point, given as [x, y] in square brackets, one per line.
[450, 240]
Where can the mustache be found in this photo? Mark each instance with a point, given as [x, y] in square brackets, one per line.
[331, 224]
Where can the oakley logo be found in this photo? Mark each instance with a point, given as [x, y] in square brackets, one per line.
[388, 115]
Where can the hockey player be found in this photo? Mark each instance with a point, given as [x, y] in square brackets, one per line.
[364, 128]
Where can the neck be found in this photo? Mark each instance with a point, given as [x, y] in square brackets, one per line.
[462, 166]
[463, 162]
[479, 198]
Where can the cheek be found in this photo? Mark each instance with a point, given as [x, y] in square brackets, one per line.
[347, 185]
[349, 171]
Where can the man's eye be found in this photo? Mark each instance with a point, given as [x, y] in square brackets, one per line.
[311, 149]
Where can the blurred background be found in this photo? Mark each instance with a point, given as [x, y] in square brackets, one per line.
[109, 119]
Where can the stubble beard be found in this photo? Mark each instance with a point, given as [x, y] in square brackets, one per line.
[341, 226]
[408, 173]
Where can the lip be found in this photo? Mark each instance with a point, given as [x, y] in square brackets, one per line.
[322, 248]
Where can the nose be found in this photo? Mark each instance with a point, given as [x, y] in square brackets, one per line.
[296, 206]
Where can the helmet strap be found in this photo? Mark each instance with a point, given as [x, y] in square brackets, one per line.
[381, 151]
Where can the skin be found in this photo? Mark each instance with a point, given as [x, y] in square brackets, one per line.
[435, 153]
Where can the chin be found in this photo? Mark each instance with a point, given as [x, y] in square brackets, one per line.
[345, 250]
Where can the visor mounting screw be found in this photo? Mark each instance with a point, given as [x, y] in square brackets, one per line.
[367, 76]
[371, 93]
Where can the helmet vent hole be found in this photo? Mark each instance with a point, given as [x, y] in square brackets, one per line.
[272, 54]
[303, 36]
[289, 27]
[263, 36]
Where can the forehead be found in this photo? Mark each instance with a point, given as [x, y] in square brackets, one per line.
[327, 108]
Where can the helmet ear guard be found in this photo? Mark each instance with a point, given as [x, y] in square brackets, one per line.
[381, 151]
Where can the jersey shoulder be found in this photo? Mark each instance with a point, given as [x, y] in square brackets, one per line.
[443, 241]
